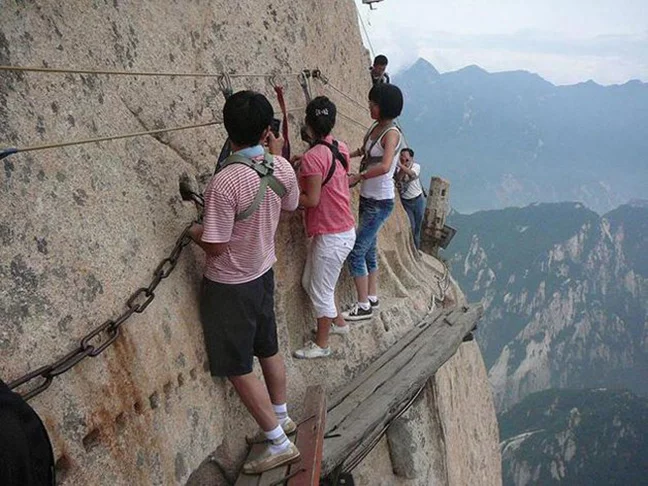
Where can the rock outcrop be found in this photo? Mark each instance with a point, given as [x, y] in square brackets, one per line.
[84, 226]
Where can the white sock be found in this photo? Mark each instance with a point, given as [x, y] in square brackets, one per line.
[281, 411]
[278, 440]
[364, 305]
[372, 298]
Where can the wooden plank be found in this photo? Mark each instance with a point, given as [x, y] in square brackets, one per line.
[373, 411]
[371, 384]
[310, 440]
[376, 384]
[386, 357]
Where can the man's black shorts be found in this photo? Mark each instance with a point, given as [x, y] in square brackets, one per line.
[238, 323]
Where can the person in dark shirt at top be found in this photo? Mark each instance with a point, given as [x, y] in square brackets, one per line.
[378, 70]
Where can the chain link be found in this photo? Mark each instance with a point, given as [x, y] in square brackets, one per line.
[97, 341]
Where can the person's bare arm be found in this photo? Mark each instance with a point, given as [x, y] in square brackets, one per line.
[311, 190]
[212, 249]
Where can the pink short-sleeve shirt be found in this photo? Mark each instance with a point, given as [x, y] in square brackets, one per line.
[333, 213]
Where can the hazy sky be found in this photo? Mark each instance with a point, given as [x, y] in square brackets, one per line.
[565, 41]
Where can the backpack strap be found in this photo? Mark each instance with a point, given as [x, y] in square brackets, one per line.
[368, 159]
[368, 134]
[336, 156]
[265, 171]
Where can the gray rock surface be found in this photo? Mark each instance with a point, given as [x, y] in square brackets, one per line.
[82, 227]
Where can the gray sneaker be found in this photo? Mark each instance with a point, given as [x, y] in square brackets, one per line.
[375, 304]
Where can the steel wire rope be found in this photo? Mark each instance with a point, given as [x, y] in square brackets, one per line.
[139, 73]
[364, 29]
[326, 82]
[13, 150]
[358, 104]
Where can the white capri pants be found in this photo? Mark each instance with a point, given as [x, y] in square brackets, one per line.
[326, 255]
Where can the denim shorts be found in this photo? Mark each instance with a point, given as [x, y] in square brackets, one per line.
[363, 259]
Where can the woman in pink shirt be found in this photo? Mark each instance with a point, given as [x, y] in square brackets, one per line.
[323, 180]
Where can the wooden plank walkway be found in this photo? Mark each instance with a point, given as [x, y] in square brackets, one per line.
[360, 412]
[309, 439]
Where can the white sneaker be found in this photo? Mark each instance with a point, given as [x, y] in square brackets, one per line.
[312, 351]
[334, 330]
[339, 329]
[357, 313]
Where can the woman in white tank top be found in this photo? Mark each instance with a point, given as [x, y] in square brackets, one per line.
[380, 152]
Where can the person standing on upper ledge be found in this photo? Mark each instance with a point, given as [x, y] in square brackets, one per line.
[411, 192]
[381, 149]
[378, 70]
[237, 296]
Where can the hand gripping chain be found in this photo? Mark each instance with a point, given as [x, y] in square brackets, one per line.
[97, 341]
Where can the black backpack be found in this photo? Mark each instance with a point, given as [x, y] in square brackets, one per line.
[26, 457]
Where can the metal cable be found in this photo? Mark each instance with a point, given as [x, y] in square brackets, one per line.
[9, 151]
[364, 29]
[353, 120]
[342, 93]
[37, 69]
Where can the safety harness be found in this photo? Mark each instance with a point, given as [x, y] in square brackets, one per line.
[265, 170]
[367, 158]
[333, 147]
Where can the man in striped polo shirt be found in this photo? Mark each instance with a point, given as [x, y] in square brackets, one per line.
[237, 297]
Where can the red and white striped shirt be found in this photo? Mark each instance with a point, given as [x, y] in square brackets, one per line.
[251, 250]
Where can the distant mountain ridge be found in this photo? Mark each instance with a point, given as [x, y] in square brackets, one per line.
[565, 294]
[511, 138]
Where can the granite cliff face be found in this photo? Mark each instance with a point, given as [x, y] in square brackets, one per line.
[566, 295]
[84, 226]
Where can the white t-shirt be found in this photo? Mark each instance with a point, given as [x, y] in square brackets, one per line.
[381, 187]
[413, 186]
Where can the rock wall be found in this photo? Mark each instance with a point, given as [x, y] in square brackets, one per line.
[84, 226]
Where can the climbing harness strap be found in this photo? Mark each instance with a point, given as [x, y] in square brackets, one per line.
[368, 159]
[285, 151]
[304, 78]
[265, 170]
[336, 156]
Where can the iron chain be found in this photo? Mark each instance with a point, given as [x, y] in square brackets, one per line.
[97, 341]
